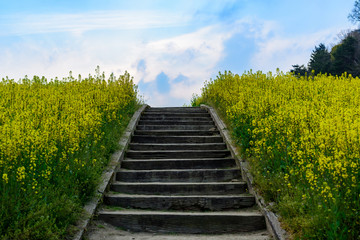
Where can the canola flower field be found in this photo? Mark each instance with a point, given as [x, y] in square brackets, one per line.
[55, 139]
[302, 138]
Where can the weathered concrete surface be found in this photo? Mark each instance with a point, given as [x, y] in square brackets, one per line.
[176, 146]
[178, 175]
[175, 114]
[175, 127]
[185, 222]
[177, 154]
[196, 163]
[181, 203]
[175, 121]
[178, 132]
[100, 230]
[176, 109]
[168, 118]
[180, 188]
[176, 139]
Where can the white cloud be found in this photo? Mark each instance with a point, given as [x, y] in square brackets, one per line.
[282, 52]
[194, 54]
[95, 20]
[183, 90]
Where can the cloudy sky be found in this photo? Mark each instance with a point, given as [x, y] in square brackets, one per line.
[170, 47]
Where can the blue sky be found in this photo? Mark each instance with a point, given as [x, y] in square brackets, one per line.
[170, 47]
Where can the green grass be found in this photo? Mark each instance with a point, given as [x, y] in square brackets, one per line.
[258, 121]
[52, 211]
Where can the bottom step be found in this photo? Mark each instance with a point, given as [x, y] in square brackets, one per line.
[102, 230]
[182, 222]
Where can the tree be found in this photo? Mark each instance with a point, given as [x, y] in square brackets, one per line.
[343, 55]
[354, 16]
[299, 70]
[320, 60]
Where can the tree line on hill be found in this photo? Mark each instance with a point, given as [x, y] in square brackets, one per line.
[343, 57]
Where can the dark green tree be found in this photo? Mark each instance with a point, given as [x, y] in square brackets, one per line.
[344, 57]
[354, 16]
[320, 61]
[299, 70]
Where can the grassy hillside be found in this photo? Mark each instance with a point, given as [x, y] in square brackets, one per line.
[302, 138]
[55, 139]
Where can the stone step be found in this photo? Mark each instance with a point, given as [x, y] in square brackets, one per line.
[176, 139]
[184, 203]
[177, 132]
[176, 127]
[171, 118]
[180, 154]
[179, 175]
[177, 146]
[185, 222]
[180, 188]
[102, 230]
[174, 114]
[140, 164]
[176, 109]
[172, 122]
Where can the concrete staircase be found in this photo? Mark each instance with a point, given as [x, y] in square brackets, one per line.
[179, 177]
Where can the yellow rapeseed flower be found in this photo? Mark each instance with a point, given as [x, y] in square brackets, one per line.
[5, 178]
[308, 129]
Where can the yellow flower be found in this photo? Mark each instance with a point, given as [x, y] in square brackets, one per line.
[21, 173]
[5, 178]
[309, 128]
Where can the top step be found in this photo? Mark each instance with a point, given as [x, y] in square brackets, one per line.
[177, 109]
